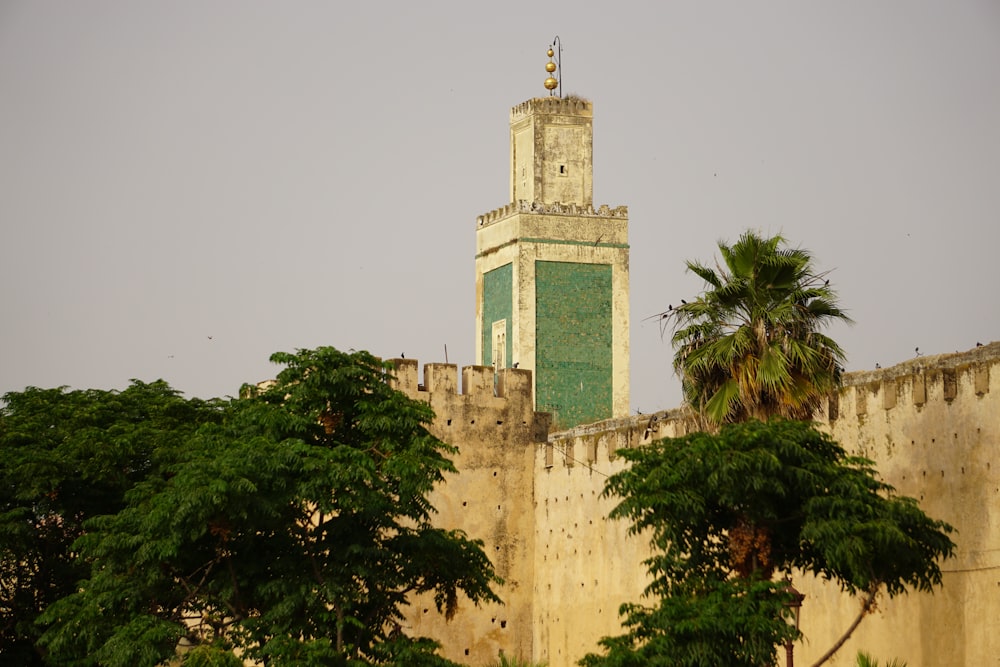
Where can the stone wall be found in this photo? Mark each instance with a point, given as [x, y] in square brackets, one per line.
[495, 428]
[932, 426]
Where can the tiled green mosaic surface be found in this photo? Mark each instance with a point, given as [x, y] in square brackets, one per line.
[573, 341]
[498, 299]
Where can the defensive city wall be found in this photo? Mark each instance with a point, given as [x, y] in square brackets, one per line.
[931, 425]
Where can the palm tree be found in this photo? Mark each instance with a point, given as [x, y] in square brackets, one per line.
[750, 346]
[866, 660]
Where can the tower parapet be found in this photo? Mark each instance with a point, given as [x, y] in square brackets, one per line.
[540, 208]
[553, 106]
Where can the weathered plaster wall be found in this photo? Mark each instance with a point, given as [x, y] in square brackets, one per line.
[495, 427]
[932, 426]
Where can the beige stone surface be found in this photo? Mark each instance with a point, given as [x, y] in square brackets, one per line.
[931, 425]
[495, 429]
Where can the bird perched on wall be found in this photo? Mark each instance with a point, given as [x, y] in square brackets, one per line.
[515, 364]
[978, 344]
[917, 351]
[877, 365]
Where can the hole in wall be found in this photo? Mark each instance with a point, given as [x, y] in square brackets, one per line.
[494, 473]
[499, 422]
[464, 503]
[503, 624]
[466, 651]
[449, 422]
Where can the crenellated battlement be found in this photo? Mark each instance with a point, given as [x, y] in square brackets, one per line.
[552, 106]
[487, 399]
[915, 385]
[540, 208]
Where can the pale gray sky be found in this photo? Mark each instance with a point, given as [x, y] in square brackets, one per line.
[186, 187]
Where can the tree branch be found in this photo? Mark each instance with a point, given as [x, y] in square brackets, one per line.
[865, 608]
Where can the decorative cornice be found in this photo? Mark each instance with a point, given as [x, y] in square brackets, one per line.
[539, 208]
[574, 106]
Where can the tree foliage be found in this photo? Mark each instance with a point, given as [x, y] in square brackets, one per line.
[866, 660]
[67, 457]
[724, 513]
[751, 345]
[291, 530]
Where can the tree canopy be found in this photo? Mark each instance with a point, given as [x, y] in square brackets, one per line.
[67, 457]
[751, 345]
[726, 512]
[289, 529]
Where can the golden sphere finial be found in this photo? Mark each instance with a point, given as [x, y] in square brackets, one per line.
[554, 65]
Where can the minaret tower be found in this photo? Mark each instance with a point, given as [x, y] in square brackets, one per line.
[552, 285]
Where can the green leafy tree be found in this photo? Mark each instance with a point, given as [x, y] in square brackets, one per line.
[726, 512]
[751, 345]
[292, 532]
[67, 457]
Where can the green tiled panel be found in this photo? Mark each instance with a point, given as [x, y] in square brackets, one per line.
[573, 341]
[498, 300]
